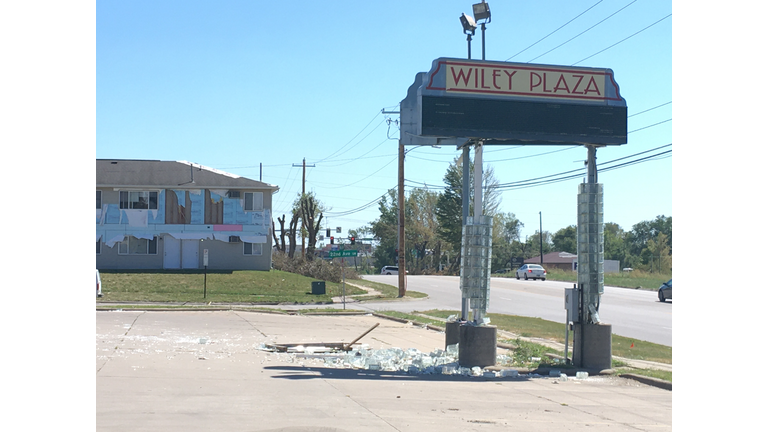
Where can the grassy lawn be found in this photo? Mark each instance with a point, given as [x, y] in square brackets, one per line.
[254, 287]
[387, 291]
[634, 279]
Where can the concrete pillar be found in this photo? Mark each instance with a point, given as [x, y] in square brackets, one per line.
[592, 347]
[477, 345]
[451, 333]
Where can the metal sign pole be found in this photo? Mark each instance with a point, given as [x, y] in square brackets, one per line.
[205, 273]
[343, 286]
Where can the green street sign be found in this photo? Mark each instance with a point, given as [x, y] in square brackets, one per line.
[343, 253]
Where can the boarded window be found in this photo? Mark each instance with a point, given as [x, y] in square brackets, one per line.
[177, 212]
[214, 210]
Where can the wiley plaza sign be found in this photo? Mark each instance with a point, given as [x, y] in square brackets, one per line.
[514, 103]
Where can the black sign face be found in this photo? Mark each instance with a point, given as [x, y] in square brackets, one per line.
[529, 122]
[516, 262]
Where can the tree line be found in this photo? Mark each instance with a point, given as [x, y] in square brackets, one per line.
[433, 224]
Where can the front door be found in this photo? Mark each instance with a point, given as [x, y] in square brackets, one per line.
[171, 253]
[190, 250]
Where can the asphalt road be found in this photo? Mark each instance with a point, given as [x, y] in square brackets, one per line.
[632, 313]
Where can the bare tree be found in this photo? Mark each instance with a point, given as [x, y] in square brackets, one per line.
[311, 217]
[279, 244]
[292, 228]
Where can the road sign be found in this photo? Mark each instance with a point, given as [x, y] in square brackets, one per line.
[343, 253]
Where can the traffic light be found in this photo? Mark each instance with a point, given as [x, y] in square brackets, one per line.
[331, 240]
[327, 232]
[352, 240]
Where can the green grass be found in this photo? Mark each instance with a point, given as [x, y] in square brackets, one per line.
[413, 318]
[538, 328]
[387, 291]
[634, 279]
[248, 287]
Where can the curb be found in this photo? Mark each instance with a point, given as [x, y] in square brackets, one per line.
[655, 382]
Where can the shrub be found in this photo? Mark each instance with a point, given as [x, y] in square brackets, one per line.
[316, 269]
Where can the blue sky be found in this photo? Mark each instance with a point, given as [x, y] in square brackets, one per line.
[236, 84]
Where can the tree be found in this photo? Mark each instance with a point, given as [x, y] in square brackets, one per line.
[614, 246]
[564, 240]
[384, 229]
[448, 211]
[280, 245]
[421, 225]
[449, 204]
[657, 252]
[506, 240]
[292, 229]
[533, 244]
[647, 230]
[311, 212]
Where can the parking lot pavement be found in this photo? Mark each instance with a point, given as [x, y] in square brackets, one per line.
[181, 371]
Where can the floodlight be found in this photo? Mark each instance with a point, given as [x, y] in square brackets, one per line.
[469, 23]
[481, 11]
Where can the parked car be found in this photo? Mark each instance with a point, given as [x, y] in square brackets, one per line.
[502, 271]
[389, 270]
[98, 284]
[531, 271]
[665, 291]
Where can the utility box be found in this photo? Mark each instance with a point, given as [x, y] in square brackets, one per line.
[318, 287]
[572, 304]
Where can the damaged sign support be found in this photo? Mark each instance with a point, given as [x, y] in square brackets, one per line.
[324, 346]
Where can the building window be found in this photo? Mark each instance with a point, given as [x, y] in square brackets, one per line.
[252, 249]
[138, 200]
[98, 200]
[137, 246]
[254, 201]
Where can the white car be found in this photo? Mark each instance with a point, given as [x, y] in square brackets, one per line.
[531, 271]
[390, 270]
[98, 284]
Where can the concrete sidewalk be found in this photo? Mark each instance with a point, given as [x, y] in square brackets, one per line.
[180, 371]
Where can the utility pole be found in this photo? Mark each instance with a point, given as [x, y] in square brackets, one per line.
[541, 242]
[401, 220]
[401, 280]
[303, 190]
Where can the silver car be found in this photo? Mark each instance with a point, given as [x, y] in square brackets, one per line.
[531, 271]
[389, 270]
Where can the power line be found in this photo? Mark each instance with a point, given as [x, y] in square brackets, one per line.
[353, 138]
[600, 22]
[650, 109]
[555, 31]
[628, 37]
[567, 175]
[650, 126]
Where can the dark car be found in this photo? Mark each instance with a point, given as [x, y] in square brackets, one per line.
[665, 291]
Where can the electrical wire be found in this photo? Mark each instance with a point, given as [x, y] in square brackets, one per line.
[628, 37]
[595, 25]
[555, 31]
[650, 109]
[353, 138]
